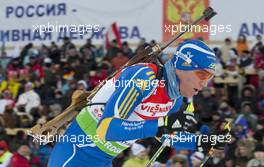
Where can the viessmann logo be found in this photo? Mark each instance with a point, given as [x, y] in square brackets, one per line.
[155, 109]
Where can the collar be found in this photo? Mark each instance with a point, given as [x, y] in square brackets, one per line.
[171, 80]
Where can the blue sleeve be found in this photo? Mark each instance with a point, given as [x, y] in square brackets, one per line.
[131, 87]
[182, 141]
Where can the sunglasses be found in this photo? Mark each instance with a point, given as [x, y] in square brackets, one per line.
[204, 75]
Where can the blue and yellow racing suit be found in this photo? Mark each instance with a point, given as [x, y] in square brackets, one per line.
[125, 109]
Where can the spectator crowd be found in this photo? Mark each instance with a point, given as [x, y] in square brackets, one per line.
[36, 85]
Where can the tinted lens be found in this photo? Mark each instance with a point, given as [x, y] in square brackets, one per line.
[204, 75]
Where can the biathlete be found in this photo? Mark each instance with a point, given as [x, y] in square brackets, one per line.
[138, 103]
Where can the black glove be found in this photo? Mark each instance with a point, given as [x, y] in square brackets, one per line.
[179, 121]
[217, 141]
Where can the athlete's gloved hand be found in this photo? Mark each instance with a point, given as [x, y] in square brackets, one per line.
[179, 121]
[217, 141]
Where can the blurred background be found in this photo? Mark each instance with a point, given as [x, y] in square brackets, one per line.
[49, 49]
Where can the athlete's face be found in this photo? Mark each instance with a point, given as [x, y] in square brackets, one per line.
[191, 82]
